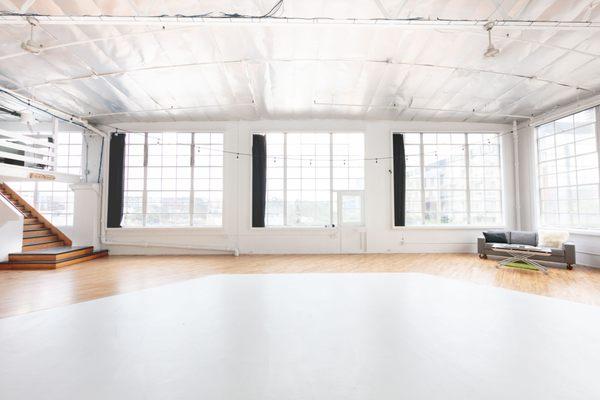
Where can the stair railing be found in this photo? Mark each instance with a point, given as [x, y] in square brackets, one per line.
[27, 150]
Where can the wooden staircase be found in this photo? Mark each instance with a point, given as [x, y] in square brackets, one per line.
[44, 245]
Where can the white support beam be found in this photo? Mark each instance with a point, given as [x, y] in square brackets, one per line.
[52, 111]
[564, 110]
[402, 107]
[515, 135]
[27, 5]
[153, 110]
[382, 10]
[405, 23]
[538, 78]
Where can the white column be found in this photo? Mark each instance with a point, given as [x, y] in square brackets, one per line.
[11, 229]
[86, 214]
[515, 134]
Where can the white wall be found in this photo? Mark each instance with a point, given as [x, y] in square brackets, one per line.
[11, 229]
[380, 236]
[587, 244]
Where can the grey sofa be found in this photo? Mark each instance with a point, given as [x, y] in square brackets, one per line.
[565, 255]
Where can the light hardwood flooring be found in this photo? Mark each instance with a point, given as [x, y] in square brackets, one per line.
[22, 292]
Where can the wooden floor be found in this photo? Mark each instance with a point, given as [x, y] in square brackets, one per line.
[26, 291]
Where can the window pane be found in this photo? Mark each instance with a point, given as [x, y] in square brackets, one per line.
[303, 172]
[181, 184]
[458, 182]
[308, 201]
[568, 172]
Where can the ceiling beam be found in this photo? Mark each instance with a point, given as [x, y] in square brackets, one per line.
[166, 109]
[45, 108]
[382, 10]
[289, 60]
[409, 107]
[27, 5]
[405, 23]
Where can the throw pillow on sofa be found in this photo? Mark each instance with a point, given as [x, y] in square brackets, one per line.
[495, 237]
[553, 239]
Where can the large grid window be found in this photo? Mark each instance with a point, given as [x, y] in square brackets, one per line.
[55, 199]
[173, 179]
[304, 173]
[569, 193]
[453, 179]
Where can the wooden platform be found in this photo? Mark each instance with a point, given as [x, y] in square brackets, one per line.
[52, 258]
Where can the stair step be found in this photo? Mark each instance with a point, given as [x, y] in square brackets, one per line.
[40, 239]
[33, 227]
[37, 232]
[42, 246]
[30, 221]
[32, 264]
[52, 254]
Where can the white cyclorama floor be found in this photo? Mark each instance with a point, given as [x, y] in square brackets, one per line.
[306, 336]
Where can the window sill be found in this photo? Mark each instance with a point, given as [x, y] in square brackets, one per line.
[448, 227]
[572, 231]
[292, 230]
[169, 229]
[583, 232]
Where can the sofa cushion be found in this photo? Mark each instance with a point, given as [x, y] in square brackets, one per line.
[522, 237]
[496, 237]
[558, 252]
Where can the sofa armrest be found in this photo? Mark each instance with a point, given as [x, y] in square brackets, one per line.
[569, 248]
[480, 245]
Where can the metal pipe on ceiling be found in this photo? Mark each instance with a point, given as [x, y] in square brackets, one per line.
[45, 108]
[402, 107]
[288, 60]
[251, 104]
[405, 23]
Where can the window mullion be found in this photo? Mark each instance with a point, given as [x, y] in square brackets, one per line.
[468, 184]
[422, 154]
[145, 188]
[285, 194]
[597, 126]
[501, 198]
[192, 167]
[331, 180]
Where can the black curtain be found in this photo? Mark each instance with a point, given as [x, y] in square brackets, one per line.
[399, 179]
[259, 180]
[116, 180]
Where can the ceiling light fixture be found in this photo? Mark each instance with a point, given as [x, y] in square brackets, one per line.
[491, 51]
[31, 45]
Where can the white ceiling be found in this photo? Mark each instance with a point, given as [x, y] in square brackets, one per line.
[117, 73]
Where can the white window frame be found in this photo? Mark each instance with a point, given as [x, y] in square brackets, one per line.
[191, 211]
[332, 193]
[537, 188]
[424, 226]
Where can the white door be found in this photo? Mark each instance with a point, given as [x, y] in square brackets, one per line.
[351, 221]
